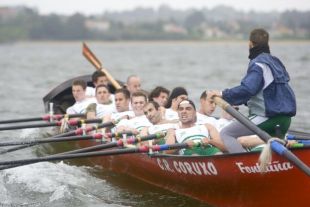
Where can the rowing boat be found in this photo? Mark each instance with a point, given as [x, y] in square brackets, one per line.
[220, 180]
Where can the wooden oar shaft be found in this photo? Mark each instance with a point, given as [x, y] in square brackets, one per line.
[143, 149]
[95, 62]
[276, 146]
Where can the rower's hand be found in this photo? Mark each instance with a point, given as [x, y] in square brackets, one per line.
[205, 141]
[290, 143]
[190, 143]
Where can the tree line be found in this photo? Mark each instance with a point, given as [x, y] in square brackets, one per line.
[147, 24]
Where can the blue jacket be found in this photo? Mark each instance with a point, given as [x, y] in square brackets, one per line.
[278, 97]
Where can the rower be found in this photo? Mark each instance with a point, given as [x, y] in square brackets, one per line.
[159, 124]
[137, 123]
[133, 84]
[104, 104]
[177, 95]
[79, 94]
[122, 99]
[190, 132]
[206, 108]
[160, 95]
[98, 78]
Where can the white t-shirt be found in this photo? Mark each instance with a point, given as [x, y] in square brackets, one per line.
[221, 123]
[203, 119]
[103, 110]
[162, 127]
[118, 115]
[171, 115]
[80, 106]
[138, 122]
[90, 91]
[195, 133]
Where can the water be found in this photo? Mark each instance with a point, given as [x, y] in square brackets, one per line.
[30, 70]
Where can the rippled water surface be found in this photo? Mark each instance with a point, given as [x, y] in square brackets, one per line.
[30, 70]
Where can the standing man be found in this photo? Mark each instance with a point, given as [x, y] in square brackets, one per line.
[264, 89]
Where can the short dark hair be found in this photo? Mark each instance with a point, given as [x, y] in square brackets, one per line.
[156, 92]
[259, 37]
[102, 86]
[177, 91]
[79, 83]
[189, 101]
[154, 103]
[96, 75]
[123, 91]
[139, 93]
[203, 95]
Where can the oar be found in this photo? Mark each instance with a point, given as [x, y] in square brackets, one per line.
[46, 117]
[142, 149]
[52, 140]
[78, 131]
[95, 62]
[298, 133]
[97, 147]
[40, 125]
[57, 123]
[294, 137]
[76, 122]
[300, 145]
[3, 151]
[119, 143]
[276, 146]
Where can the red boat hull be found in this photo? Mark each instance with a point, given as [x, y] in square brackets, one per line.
[222, 180]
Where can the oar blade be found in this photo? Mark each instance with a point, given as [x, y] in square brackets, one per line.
[89, 55]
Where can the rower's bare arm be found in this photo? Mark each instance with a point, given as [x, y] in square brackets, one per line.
[170, 136]
[215, 138]
[170, 139]
[250, 141]
[107, 118]
[144, 132]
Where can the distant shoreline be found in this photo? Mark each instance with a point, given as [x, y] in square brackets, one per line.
[276, 41]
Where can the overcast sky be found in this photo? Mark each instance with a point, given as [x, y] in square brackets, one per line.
[99, 6]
